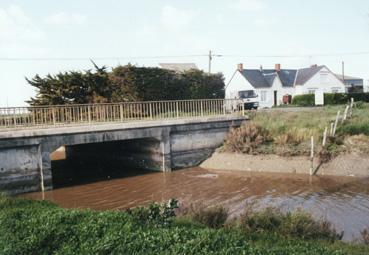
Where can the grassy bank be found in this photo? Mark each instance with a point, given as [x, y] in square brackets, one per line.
[34, 227]
[287, 133]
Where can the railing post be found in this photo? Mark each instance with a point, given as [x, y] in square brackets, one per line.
[177, 110]
[14, 118]
[121, 111]
[150, 110]
[224, 106]
[53, 115]
[243, 109]
[89, 113]
[202, 109]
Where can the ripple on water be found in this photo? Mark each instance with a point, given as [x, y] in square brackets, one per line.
[343, 201]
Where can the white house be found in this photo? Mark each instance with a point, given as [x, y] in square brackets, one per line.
[272, 84]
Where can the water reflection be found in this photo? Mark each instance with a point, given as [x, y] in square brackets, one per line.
[344, 201]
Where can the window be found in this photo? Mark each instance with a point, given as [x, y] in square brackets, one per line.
[263, 96]
[323, 78]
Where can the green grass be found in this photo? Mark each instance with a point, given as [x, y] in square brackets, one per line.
[289, 132]
[34, 227]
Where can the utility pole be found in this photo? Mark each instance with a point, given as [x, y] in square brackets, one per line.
[343, 71]
[211, 55]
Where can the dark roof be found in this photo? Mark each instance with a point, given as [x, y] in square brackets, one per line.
[256, 78]
[305, 74]
[263, 78]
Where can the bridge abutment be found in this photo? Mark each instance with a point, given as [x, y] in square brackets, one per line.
[25, 155]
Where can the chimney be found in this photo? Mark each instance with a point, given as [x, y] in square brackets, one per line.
[240, 67]
[315, 65]
[278, 67]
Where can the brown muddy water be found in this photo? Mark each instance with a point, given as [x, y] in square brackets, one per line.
[344, 201]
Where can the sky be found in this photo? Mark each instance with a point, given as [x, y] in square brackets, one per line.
[49, 36]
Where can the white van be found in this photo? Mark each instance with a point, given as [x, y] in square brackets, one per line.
[249, 98]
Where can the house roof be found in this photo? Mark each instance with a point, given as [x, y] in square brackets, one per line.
[263, 78]
[178, 67]
[340, 76]
[305, 74]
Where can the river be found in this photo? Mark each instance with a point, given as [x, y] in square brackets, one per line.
[344, 201]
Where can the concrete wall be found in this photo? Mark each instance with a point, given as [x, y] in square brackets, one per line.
[25, 154]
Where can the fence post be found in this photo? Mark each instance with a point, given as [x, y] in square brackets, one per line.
[325, 136]
[351, 106]
[53, 115]
[336, 123]
[345, 114]
[121, 111]
[312, 156]
[202, 109]
[14, 117]
[150, 109]
[177, 109]
[89, 113]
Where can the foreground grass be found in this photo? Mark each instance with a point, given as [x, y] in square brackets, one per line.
[288, 133]
[34, 227]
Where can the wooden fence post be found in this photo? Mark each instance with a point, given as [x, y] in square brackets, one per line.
[336, 123]
[351, 106]
[345, 114]
[325, 136]
[312, 156]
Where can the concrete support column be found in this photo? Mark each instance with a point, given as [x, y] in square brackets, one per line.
[45, 169]
[165, 151]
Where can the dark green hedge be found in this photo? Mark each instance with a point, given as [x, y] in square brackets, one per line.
[330, 98]
[304, 100]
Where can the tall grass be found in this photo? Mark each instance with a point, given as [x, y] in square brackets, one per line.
[288, 132]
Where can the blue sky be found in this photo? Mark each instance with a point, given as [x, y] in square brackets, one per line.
[126, 29]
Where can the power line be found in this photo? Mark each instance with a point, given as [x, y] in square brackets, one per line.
[95, 58]
[210, 55]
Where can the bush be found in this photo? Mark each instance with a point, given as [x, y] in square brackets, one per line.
[350, 128]
[246, 138]
[304, 100]
[290, 224]
[330, 98]
[213, 217]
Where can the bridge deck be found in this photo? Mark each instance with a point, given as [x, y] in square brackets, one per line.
[99, 127]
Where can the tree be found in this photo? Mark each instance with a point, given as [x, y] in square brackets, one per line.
[73, 87]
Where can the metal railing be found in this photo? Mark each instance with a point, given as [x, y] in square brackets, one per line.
[15, 117]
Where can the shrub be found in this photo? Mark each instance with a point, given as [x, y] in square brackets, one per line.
[330, 98]
[291, 224]
[157, 214]
[245, 138]
[365, 236]
[304, 100]
[213, 217]
[350, 128]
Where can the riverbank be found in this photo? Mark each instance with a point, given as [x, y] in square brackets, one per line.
[350, 164]
[281, 141]
[39, 227]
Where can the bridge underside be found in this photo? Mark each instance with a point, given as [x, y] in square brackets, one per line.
[25, 155]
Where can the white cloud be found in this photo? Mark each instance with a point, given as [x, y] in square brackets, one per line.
[174, 18]
[16, 26]
[248, 5]
[62, 18]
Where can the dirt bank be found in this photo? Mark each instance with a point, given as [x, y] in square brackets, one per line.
[352, 164]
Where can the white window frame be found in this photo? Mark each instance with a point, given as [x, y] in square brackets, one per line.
[311, 90]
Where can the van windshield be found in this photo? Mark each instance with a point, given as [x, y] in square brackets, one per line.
[247, 94]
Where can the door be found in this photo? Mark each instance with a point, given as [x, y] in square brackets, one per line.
[275, 98]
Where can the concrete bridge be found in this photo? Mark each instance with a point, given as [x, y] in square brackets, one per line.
[179, 139]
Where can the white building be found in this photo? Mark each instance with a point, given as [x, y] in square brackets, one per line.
[272, 84]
